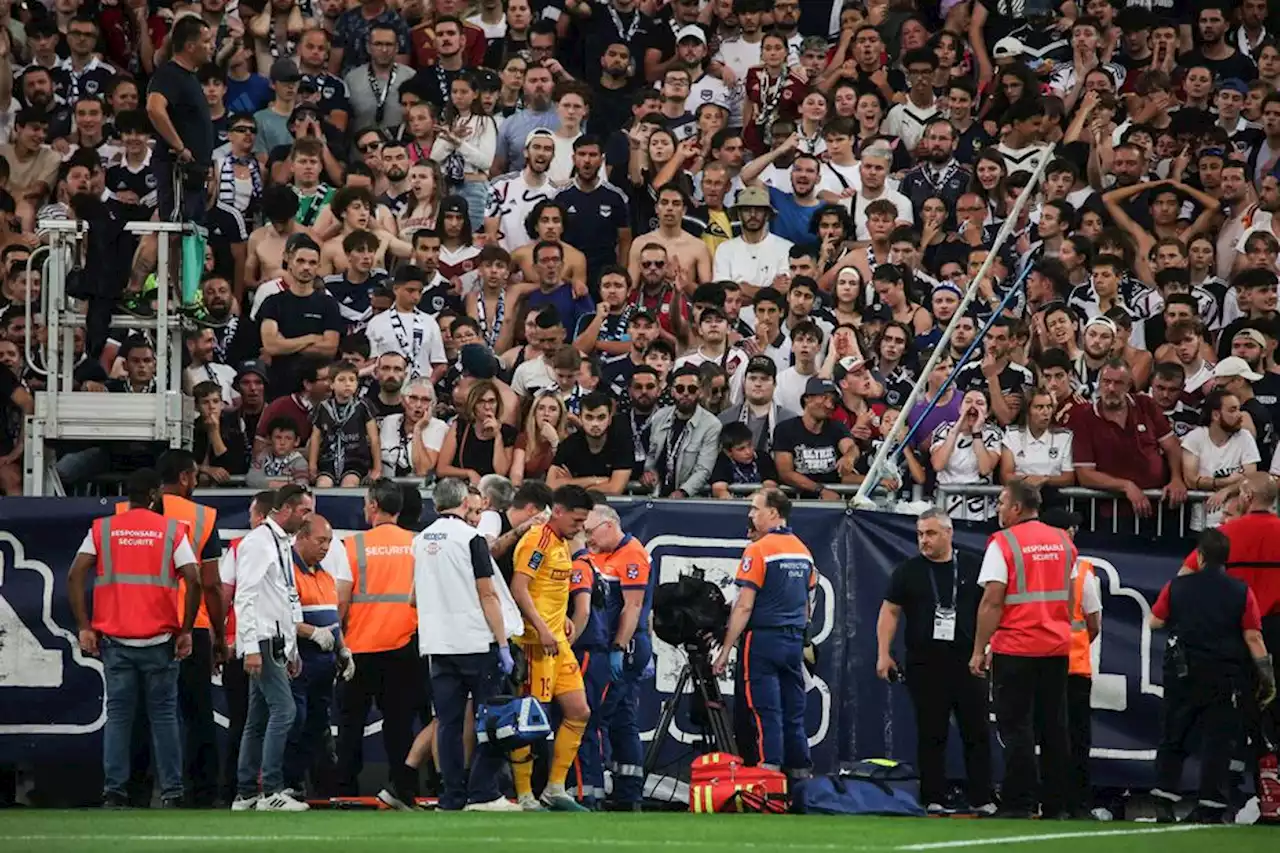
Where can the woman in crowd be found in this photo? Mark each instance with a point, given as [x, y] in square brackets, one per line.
[965, 452]
[411, 441]
[546, 425]
[478, 442]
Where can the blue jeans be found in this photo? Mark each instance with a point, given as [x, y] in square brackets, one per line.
[152, 672]
[266, 731]
[454, 678]
[476, 194]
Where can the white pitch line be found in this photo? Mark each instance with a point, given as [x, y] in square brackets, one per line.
[1051, 836]
[429, 836]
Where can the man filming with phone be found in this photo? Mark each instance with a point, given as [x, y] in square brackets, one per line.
[938, 593]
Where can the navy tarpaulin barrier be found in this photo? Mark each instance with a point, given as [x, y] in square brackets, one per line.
[51, 697]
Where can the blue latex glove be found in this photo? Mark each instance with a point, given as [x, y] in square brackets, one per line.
[615, 664]
[505, 661]
[649, 670]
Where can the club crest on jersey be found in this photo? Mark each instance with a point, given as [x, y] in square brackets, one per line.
[91, 86]
[606, 210]
[535, 560]
[151, 180]
[633, 571]
[746, 566]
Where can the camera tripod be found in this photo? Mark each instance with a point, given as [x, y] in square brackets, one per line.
[707, 708]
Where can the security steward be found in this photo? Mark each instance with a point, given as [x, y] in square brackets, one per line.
[464, 626]
[1255, 556]
[776, 581]
[1025, 616]
[179, 474]
[139, 558]
[937, 594]
[323, 656]
[235, 684]
[379, 622]
[1215, 642]
[1086, 624]
[591, 646]
[624, 571]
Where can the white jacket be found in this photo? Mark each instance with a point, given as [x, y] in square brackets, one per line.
[264, 586]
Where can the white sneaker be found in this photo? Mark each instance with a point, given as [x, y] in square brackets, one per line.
[281, 802]
[502, 804]
[985, 810]
[389, 797]
[529, 803]
[937, 809]
[244, 804]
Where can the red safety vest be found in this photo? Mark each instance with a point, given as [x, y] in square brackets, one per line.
[1081, 661]
[1036, 621]
[201, 524]
[135, 595]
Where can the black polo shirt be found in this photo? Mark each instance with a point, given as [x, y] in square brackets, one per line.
[911, 589]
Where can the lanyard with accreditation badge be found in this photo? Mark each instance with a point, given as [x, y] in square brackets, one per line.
[944, 618]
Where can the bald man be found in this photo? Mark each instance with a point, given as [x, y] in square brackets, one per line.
[323, 656]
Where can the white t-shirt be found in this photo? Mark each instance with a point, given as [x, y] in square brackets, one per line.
[490, 525]
[561, 168]
[860, 202]
[1239, 450]
[1046, 456]
[263, 292]
[754, 263]
[416, 336]
[182, 556]
[906, 121]
[223, 374]
[994, 568]
[511, 200]
[790, 385]
[962, 469]
[533, 375]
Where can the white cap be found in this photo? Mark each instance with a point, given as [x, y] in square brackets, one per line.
[691, 31]
[1008, 47]
[1235, 366]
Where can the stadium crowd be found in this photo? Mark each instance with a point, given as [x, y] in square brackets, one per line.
[681, 245]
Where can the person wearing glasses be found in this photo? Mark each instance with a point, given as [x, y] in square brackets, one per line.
[684, 440]
[83, 73]
[374, 87]
[237, 174]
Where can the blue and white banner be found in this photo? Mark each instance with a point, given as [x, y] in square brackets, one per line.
[51, 696]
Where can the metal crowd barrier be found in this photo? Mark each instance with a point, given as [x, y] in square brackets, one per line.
[1095, 505]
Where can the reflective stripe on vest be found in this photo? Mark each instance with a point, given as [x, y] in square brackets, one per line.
[111, 576]
[1025, 596]
[362, 595]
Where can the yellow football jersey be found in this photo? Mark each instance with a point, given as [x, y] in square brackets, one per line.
[543, 557]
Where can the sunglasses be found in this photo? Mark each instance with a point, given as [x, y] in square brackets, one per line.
[653, 264]
[368, 147]
[244, 129]
[685, 389]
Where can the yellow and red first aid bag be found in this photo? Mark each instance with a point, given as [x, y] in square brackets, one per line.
[720, 782]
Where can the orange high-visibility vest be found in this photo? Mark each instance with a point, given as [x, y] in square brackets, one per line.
[381, 617]
[201, 522]
[137, 580]
[1036, 621]
[1081, 661]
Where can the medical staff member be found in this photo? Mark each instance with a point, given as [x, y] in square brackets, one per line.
[139, 557]
[267, 613]
[464, 625]
[1086, 624]
[235, 684]
[323, 657]
[591, 646]
[624, 571]
[379, 622]
[179, 476]
[1025, 616]
[775, 581]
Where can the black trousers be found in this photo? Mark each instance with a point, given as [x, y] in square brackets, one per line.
[1080, 734]
[939, 688]
[1206, 704]
[235, 687]
[195, 705]
[1030, 699]
[393, 680]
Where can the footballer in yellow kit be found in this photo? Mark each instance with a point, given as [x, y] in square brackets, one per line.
[540, 587]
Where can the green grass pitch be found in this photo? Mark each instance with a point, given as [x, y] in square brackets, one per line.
[390, 832]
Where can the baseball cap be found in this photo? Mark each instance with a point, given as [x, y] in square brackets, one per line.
[254, 367]
[643, 314]
[845, 366]
[816, 386]
[691, 31]
[1008, 48]
[762, 364]
[1251, 334]
[1235, 366]
[537, 132]
[302, 111]
[712, 312]
[753, 197]
[285, 71]
[1234, 84]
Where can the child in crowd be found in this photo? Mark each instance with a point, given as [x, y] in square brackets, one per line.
[739, 463]
[344, 448]
[282, 463]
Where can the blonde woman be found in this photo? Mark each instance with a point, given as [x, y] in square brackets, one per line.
[478, 443]
[426, 189]
[546, 425]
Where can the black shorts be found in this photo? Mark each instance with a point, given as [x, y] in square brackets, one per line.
[192, 195]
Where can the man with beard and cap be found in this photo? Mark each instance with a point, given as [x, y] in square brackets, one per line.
[1098, 338]
[251, 384]
[684, 441]
[1235, 376]
[514, 195]
[389, 371]
[757, 257]
[938, 174]
[1251, 344]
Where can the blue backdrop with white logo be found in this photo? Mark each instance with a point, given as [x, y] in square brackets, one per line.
[51, 696]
